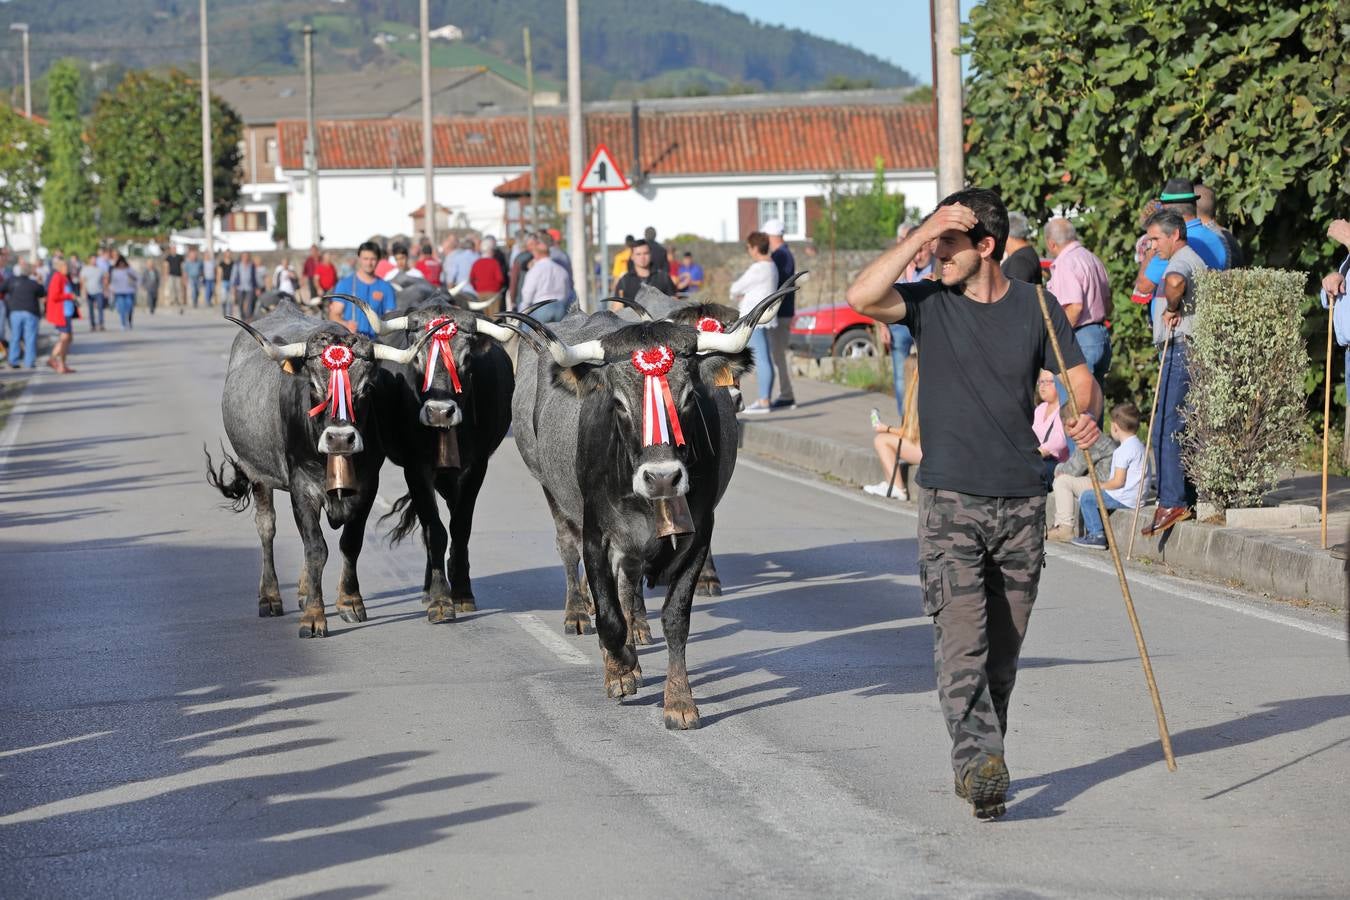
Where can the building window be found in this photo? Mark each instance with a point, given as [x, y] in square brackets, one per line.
[245, 221]
[270, 151]
[786, 210]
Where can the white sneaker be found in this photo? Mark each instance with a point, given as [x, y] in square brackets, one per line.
[879, 490]
[758, 408]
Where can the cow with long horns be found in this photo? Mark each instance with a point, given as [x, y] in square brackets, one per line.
[450, 409]
[619, 424]
[301, 412]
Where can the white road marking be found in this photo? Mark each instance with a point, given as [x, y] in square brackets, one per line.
[75, 740]
[1168, 584]
[552, 641]
[11, 432]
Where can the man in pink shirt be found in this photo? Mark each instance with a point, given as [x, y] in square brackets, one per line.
[1078, 281]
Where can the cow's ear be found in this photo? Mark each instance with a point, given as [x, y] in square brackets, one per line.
[724, 369]
[581, 379]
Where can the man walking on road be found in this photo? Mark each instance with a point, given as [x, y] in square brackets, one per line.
[644, 272]
[786, 265]
[362, 284]
[982, 341]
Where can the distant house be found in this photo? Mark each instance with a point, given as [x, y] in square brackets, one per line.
[263, 101]
[714, 167]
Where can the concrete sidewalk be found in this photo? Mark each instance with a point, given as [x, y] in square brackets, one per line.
[829, 433]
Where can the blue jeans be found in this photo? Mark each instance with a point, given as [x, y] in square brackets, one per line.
[901, 342]
[553, 312]
[1095, 342]
[196, 287]
[208, 288]
[759, 347]
[23, 328]
[126, 305]
[1093, 529]
[97, 303]
[1174, 487]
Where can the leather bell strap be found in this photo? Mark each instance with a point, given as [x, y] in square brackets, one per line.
[337, 359]
[660, 419]
[445, 329]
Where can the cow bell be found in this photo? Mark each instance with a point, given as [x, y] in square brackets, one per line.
[340, 476]
[447, 449]
[672, 517]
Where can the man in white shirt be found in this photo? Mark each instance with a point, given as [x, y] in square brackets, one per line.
[1123, 489]
[545, 280]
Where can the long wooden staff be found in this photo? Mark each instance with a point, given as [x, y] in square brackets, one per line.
[1115, 551]
[1148, 446]
[1326, 413]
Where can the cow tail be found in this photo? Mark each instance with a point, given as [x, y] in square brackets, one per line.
[407, 519]
[233, 485]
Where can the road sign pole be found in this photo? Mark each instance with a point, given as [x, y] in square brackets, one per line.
[602, 282]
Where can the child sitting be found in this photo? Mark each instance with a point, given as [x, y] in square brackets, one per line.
[1123, 490]
[1072, 480]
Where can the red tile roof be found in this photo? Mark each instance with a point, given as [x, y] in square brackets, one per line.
[711, 142]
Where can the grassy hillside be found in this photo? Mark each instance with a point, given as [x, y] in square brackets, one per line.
[630, 48]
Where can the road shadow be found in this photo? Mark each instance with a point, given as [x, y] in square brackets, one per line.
[1058, 789]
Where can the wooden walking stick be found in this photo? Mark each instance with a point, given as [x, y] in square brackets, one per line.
[1326, 413]
[1115, 550]
[1148, 446]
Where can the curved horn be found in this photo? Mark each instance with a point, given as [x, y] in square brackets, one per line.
[503, 332]
[312, 302]
[480, 305]
[631, 304]
[455, 291]
[278, 352]
[381, 327]
[737, 336]
[565, 355]
[403, 357]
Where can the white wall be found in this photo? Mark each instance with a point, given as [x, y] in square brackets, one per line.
[353, 205]
[708, 206]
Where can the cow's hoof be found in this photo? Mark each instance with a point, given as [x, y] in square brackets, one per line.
[577, 623]
[270, 606]
[642, 632]
[617, 686]
[465, 604]
[439, 611]
[313, 625]
[681, 715]
[426, 600]
[352, 611]
[709, 587]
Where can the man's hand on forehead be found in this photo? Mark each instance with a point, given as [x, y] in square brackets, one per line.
[949, 218]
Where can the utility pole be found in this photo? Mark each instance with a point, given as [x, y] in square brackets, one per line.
[576, 224]
[22, 28]
[951, 153]
[428, 163]
[208, 170]
[529, 127]
[311, 140]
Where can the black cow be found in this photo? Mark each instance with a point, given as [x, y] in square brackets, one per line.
[620, 420]
[299, 404]
[442, 429]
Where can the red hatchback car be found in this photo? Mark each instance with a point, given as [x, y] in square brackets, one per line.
[833, 331]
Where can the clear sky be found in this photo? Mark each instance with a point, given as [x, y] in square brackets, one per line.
[895, 30]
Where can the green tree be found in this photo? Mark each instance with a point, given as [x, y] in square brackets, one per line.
[1089, 107]
[862, 218]
[148, 153]
[68, 196]
[23, 158]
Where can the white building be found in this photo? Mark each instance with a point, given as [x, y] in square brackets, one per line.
[712, 167]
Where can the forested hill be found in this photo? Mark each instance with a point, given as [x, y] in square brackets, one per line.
[630, 47]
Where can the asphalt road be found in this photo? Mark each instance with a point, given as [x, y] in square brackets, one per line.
[158, 739]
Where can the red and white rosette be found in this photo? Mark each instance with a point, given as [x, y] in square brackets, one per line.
[709, 324]
[337, 359]
[660, 419]
[445, 329]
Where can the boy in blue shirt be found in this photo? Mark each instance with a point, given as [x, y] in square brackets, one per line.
[362, 283]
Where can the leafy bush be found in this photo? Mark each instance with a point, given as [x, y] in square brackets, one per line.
[1247, 359]
[861, 218]
[68, 197]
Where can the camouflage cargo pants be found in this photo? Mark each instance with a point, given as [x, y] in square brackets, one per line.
[980, 562]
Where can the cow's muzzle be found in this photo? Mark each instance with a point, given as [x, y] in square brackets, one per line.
[440, 414]
[660, 480]
[343, 440]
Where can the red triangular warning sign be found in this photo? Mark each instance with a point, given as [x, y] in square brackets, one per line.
[602, 174]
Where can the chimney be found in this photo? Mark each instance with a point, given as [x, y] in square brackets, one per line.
[635, 126]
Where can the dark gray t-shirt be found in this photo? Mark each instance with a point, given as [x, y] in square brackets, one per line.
[977, 386]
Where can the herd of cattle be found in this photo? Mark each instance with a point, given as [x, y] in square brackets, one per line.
[627, 420]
